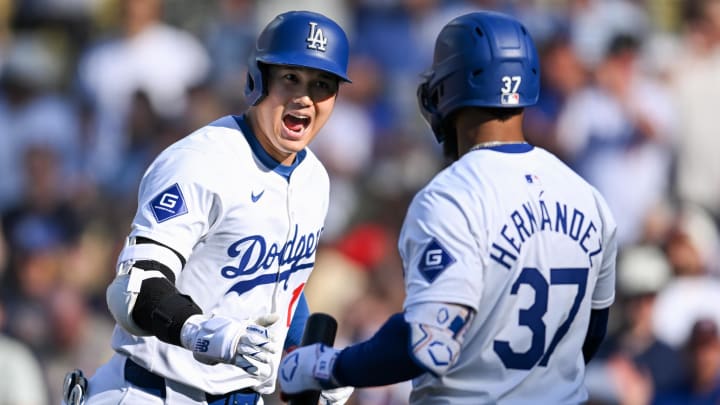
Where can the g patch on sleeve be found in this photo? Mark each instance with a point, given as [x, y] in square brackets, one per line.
[435, 259]
[168, 204]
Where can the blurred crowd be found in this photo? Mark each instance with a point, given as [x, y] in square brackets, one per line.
[92, 90]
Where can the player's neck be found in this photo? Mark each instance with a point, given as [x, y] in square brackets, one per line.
[474, 133]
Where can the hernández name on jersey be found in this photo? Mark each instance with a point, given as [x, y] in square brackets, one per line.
[255, 254]
[554, 216]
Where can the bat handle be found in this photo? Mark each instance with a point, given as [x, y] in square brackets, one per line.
[320, 328]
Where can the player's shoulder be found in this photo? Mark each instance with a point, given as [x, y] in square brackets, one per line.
[206, 151]
[217, 133]
[571, 180]
[218, 138]
[553, 164]
[312, 165]
[311, 157]
[450, 187]
[462, 177]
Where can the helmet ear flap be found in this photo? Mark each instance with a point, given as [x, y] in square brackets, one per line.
[254, 85]
[429, 108]
[424, 98]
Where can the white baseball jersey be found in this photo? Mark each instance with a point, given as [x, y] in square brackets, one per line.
[248, 232]
[514, 234]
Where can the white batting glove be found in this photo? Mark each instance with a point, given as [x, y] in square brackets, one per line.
[336, 396]
[309, 368]
[246, 344]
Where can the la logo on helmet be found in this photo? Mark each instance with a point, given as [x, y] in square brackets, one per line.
[316, 39]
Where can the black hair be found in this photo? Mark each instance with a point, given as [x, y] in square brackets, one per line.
[622, 43]
[504, 114]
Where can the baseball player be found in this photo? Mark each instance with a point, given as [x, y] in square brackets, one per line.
[508, 255]
[210, 283]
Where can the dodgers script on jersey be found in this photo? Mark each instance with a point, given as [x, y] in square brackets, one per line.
[514, 234]
[252, 234]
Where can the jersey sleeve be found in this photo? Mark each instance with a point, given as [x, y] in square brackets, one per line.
[440, 251]
[604, 293]
[178, 202]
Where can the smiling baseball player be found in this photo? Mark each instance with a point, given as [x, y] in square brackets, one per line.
[508, 256]
[229, 218]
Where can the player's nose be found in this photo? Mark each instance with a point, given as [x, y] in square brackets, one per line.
[302, 99]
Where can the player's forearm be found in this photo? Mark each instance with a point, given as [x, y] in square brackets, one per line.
[596, 333]
[382, 360]
[162, 310]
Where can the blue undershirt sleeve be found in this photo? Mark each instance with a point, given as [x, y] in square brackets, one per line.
[596, 332]
[297, 325]
[383, 359]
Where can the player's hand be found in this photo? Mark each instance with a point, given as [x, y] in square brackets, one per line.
[309, 368]
[246, 344]
[336, 396]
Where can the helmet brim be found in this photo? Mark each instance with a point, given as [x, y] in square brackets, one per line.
[305, 61]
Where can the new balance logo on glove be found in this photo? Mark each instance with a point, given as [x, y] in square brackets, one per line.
[202, 345]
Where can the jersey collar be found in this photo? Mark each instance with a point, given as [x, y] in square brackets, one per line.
[265, 157]
[509, 148]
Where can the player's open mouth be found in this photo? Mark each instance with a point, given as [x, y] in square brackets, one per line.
[296, 123]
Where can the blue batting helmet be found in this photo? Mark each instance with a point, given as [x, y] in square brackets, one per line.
[297, 38]
[482, 59]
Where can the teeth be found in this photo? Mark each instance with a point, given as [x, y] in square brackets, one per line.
[302, 117]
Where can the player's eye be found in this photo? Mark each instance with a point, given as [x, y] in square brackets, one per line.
[290, 77]
[323, 85]
[323, 89]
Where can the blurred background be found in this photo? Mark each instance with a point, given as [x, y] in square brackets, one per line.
[92, 90]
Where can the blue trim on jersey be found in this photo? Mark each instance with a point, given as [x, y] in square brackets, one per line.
[262, 154]
[297, 326]
[241, 287]
[512, 148]
[382, 360]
